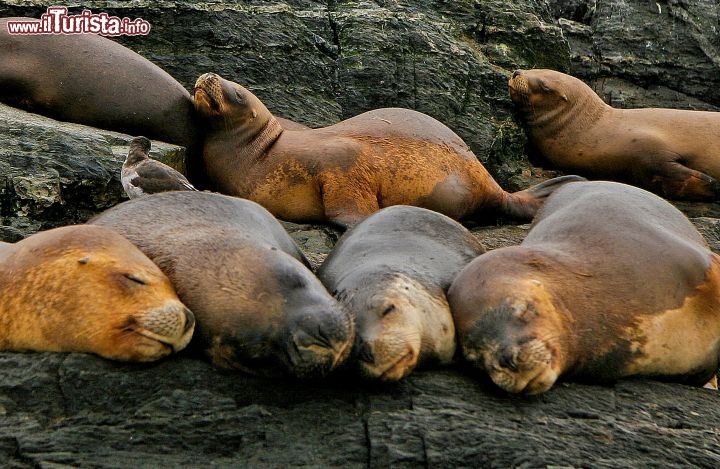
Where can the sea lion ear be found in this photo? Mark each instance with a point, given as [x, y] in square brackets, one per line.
[564, 97]
[254, 113]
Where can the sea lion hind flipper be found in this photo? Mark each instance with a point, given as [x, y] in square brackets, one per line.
[523, 205]
[545, 188]
[677, 181]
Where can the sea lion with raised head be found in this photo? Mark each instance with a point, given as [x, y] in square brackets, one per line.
[672, 152]
[344, 172]
[611, 282]
[258, 306]
[88, 289]
[392, 270]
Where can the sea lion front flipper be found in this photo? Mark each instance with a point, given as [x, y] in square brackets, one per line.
[523, 205]
[676, 181]
[712, 384]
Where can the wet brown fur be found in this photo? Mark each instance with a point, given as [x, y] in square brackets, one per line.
[344, 172]
[621, 282]
[258, 306]
[69, 290]
[672, 152]
[91, 80]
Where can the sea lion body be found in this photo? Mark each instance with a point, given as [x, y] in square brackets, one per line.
[392, 271]
[87, 289]
[344, 172]
[672, 152]
[91, 80]
[258, 306]
[611, 281]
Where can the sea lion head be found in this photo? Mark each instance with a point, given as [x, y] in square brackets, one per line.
[511, 328]
[225, 105]
[88, 289]
[275, 320]
[399, 322]
[536, 90]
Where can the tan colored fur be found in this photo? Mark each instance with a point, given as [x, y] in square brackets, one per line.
[344, 172]
[68, 290]
[673, 152]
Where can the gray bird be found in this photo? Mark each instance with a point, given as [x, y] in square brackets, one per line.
[141, 175]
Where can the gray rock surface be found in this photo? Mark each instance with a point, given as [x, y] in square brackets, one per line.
[319, 62]
[55, 173]
[81, 411]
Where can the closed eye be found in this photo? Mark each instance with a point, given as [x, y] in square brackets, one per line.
[388, 310]
[135, 278]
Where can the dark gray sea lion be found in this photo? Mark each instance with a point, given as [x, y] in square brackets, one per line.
[392, 271]
[258, 306]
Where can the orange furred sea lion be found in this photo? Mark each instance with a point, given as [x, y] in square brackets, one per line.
[344, 172]
[87, 289]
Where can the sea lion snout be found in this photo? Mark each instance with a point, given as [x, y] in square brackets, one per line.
[520, 366]
[172, 324]
[208, 95]
[206, 79]
[319, 342]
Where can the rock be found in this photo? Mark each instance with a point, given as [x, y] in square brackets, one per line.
[619, 45]
[55, 173]
[77, 410]
[317, 63]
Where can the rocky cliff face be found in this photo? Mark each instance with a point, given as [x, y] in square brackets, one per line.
[317, 63]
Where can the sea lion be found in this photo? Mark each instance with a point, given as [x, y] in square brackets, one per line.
[392, 270]
[88, 289]
[611, 282]
[344, 172]
[258, 307]
[672, 152]
[91, 80]
[141, 175]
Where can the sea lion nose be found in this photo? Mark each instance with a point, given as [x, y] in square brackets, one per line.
[506, 359]
[364, 352]
[189, 321]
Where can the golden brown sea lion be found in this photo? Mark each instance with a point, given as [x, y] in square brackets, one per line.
[345, 172]
[672, 152]
[258, 306]
[87, 289]
[610, 282]
[392, 270]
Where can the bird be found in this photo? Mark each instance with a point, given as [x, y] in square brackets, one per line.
[141, 175]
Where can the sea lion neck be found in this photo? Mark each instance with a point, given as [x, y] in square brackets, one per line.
[584, 107]
[253, 142]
